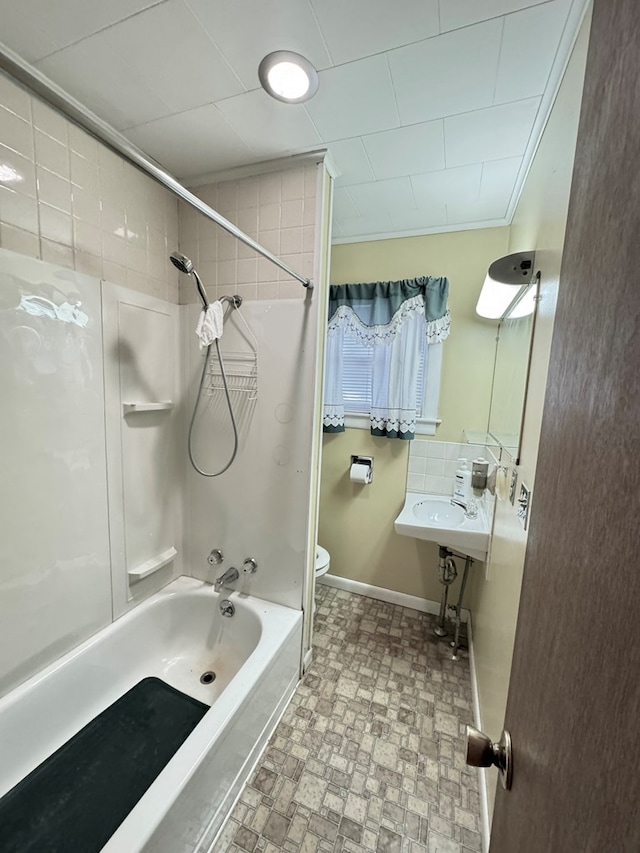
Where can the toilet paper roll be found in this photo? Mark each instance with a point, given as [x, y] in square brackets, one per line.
[360, 473]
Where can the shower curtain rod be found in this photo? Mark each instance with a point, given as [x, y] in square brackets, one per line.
[33, 80]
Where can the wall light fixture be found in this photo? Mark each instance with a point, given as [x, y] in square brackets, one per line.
[510, 288]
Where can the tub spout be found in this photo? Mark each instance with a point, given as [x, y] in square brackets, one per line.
[228, 577]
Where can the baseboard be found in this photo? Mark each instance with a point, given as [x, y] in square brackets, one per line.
[392, 596]
[485, 827]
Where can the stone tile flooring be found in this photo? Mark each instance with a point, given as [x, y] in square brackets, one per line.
[369, 755]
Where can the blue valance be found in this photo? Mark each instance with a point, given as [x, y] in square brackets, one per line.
[397, 319]
[384, 298]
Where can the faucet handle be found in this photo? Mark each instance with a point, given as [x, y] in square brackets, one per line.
[249, 566]
[215, 557]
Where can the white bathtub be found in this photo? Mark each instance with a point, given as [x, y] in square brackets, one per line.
[175, 635]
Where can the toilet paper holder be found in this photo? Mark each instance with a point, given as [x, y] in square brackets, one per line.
[363, 460]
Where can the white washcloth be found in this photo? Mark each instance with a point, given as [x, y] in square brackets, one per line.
[209, 326]
[502, 483]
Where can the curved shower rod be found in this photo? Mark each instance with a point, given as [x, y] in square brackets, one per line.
[33, 80]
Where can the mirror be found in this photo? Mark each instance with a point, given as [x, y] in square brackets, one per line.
[514, 340]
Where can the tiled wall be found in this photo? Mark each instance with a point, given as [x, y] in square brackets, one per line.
[433, 464]
[278, 210]
[67, 199]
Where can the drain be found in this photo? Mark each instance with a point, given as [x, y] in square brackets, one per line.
[207, 677]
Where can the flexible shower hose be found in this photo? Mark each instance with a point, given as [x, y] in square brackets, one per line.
[195, 410]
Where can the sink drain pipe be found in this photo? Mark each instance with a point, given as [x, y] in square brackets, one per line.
[447, 573]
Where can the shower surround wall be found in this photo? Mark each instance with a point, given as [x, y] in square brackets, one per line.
[87, 492]
[263, 505]
[68, 200]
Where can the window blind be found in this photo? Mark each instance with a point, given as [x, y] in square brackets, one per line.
[357, 361]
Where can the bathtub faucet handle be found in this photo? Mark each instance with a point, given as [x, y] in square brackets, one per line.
[215, 557]
[249, 566]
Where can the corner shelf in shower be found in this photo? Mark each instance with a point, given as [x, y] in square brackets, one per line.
[152, 565]
[134, 408]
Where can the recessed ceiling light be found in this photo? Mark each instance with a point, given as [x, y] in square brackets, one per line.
[288, 77]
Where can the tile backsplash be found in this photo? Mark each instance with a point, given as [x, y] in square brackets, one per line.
[433, 464]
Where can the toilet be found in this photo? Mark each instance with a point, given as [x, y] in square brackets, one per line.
[323, 562]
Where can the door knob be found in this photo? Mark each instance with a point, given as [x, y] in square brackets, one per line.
[482, 752]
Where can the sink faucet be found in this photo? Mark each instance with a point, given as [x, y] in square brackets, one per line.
[470, 507]
[228, 577]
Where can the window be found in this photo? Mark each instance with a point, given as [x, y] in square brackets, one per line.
[381, 371]
[357, 360]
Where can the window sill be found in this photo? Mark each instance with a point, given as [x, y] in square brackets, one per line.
[424, 426]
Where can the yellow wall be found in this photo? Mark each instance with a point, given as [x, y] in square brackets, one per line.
[356, 522]
[539, 223]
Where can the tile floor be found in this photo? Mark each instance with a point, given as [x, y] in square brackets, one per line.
[369, 755]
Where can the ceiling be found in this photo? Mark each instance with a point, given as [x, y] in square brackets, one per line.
[431, 109]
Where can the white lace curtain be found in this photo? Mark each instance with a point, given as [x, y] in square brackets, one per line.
[395, 318]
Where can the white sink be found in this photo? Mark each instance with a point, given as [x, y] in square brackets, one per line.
[436, 519]
[436, 512]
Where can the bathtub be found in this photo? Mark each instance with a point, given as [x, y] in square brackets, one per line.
[177, 635]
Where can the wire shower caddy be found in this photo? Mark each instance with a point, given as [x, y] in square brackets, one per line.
[240, 367]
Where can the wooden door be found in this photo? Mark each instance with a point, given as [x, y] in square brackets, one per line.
[574, 700]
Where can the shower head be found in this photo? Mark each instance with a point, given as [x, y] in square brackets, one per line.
[182, 262]
[185, 265]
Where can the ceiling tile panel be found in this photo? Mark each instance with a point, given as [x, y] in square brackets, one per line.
[491, 134]
[187, 144]
[364, 226]
[473, 212]
[462, 13]
[383, 195]
[98, 77]
[498, 180]
[427, 106]
[269, 127]
[447, 185]
[61, 22]
[354, 99]
[406, 150]
[23, 34]
[433, 215]
[180, 62]
[351, 161]
[361, 28]
[520, 76]
[246, 31]
[343, 205]
[447, 74]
